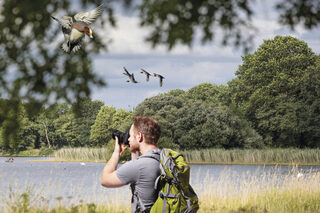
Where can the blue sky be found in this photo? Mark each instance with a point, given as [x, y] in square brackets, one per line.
[183, 68]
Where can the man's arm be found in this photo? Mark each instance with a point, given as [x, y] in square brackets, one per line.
[109, 176]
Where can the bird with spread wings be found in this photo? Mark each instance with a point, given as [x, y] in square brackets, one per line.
[146, 73]
[160, 78]
[131, 76]
[74, 31]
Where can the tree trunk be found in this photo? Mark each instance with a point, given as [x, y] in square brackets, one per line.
[46, 131]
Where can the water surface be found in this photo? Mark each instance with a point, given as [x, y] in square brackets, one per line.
[75, 182]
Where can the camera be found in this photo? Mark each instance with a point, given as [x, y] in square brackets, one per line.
[122, 136]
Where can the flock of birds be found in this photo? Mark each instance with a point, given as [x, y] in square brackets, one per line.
[133, 80]
[75, 31]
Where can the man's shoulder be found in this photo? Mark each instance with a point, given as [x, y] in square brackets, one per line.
[152, 154]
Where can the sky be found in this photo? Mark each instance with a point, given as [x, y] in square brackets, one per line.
[182, 67]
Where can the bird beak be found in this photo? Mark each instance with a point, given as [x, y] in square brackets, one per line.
[90, 36]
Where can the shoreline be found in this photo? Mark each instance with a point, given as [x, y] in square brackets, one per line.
[263, 157]
[196, 163]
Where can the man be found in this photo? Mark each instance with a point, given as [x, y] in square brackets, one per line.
[142, 171]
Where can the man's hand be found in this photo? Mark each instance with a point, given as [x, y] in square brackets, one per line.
[109, 176]
[119, 148]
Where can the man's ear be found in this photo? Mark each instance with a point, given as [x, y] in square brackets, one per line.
[140, 137]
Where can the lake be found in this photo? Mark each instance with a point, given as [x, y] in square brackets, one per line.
[75, 182]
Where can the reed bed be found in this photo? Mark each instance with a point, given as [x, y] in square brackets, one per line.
[209, 156]
[255, 156]
[82, 154]
[269, 193]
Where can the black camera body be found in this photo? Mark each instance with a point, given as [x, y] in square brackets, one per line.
[122, 137]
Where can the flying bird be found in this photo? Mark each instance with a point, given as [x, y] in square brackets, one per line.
[160, 78]
[131, 76]
[75, 31]
[146, 73]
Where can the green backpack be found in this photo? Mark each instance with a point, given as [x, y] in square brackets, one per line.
[176, 194]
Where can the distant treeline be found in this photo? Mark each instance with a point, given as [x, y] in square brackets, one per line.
[274, 101]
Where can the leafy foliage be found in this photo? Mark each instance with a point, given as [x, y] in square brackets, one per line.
[33, 68]
[108, 119]
[182, 22]
[34, 71]
[56, 126]
[193, 124]
[273, 101]
[270, 89]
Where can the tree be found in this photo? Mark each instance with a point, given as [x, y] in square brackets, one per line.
[309, 124]
[33, 70]
[209, 93]
[84, 116]
[152, 105]
[121, 120]
[176, 22]
[268, 88]
[191, 124]
[109, 119]
[13, 141]
[101, 131]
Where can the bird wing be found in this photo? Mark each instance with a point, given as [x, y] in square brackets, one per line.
[66, 34]
[65, 46]
[90, 16]
[65, 22]
[157, 75]
[133, 79]
[77, 46]
[160, 78]
[145, 72]
[127, 73]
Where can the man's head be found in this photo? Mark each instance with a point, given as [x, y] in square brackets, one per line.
[144, 128]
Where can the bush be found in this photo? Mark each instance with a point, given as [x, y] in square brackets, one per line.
[27, 153]
[46, 151]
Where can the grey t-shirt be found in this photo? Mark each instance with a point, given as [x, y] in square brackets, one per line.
[143, 172]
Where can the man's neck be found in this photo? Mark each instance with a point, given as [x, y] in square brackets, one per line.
[146, 148]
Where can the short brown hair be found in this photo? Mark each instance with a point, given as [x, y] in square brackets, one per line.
[149, 127]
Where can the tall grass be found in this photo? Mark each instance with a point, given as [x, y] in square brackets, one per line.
[255, 156]
[269, 193]
[82, 154]
[236, 156]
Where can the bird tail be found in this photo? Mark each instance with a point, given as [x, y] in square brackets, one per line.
[66, 47]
